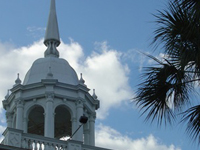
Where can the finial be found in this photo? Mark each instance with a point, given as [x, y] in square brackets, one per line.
[7, 95]
[52, 38]
[94, 95]
[49, 74]
[82, 81]
[17, 81]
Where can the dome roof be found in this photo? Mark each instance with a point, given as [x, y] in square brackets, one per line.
[60, 69]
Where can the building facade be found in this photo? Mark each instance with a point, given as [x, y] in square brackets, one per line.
[51, 104]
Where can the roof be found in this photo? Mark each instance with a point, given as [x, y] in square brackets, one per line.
[51, 68]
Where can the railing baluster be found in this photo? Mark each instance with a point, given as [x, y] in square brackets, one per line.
[30, 144]
[45, 146]
[40, 145]
[35, 145]
[23, 143]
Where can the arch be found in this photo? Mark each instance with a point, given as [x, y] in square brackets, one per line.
[62, 122]
[35, 123]
[31, 106]
[68, 106]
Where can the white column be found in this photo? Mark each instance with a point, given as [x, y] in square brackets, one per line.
[19, 117]
[92, 128]
[74, 126]
[86, 134]
[49, 117]
[79, 112]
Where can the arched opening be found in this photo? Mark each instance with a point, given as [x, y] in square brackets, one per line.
[63, 124]
[36, 121]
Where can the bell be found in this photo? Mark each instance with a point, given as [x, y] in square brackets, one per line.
[83, 119]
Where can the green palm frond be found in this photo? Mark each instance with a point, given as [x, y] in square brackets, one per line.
[179, 32]
[164, 89]
[192, 117]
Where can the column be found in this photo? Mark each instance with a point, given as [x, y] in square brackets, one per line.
[74, 126]
[86, 134]
[19, 117]
[49, 117]
[92, 118]
[79, 112]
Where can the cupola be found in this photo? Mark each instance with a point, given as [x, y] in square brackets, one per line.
[46, 108]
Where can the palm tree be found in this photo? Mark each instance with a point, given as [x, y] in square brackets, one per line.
[167, 88]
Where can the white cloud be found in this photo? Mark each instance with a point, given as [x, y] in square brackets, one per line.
[102, 71]
[136, 57]
[36, 32]
[110, 138]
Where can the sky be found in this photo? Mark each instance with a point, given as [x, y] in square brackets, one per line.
[101, 39]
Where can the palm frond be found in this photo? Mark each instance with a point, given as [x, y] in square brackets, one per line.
[165, 89]
[179, 32]
[192, 5]
[192, 117]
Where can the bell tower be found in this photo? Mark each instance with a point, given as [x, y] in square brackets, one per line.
[48, 105]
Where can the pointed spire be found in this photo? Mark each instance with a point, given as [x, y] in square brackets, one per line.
[81, 81]
[94, 94]
[52, 38]
[17, 81]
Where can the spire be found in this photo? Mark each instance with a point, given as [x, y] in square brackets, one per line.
[17, 81]
[94, 94]
[52, 38]
[82, 81]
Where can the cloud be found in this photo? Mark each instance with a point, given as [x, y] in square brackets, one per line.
[36, 32]
[105, 72]
[110, 138]
[101, 70]
[136, 57]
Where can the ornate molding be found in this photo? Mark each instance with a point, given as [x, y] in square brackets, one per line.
[19, 103]
[9, 115]
[92, 117]
[50, 95]
[79, 102]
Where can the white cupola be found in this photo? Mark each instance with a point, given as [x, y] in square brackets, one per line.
[50, 101]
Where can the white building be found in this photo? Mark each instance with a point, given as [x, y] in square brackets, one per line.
[51, 103]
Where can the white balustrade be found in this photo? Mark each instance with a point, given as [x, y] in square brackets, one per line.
[35, 142]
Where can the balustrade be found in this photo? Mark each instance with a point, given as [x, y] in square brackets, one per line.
[35, 142]
[38, 142]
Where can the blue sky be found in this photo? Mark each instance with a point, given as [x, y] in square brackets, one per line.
[101, 39]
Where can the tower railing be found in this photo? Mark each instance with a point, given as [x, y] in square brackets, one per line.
[36, 142]
[16, 138]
